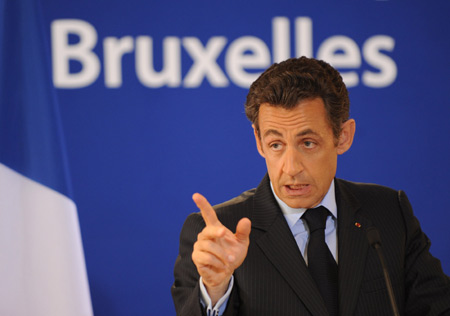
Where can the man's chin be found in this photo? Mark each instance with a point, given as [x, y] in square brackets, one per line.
[300, 202]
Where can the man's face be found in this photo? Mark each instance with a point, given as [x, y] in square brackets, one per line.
[300, 150]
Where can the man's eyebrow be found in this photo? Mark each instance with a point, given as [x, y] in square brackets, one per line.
[274, 132]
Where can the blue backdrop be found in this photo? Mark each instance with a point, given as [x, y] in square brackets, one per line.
[152, 93]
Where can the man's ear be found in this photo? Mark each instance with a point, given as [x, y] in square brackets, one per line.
[258, 141]
[346, 137]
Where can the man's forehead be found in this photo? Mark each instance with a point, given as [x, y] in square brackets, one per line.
[317, 100]
[305, 107]
[307, 117]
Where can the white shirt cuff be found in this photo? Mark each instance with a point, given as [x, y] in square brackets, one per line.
[221, 304]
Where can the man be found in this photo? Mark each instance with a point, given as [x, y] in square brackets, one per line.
[278, 262]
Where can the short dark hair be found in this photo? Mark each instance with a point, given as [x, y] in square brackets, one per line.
[288, 83]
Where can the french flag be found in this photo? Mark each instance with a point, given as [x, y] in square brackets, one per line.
[42, 268]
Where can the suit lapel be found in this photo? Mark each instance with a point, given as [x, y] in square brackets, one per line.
[281, 249]
[352, 245]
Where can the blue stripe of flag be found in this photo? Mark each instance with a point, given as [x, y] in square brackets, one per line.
[31, 139]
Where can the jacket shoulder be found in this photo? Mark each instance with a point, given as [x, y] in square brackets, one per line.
[228, 212]
[240, 200]
[231, 211]
[366, 190]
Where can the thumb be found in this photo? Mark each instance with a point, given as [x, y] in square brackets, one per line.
[243, 229]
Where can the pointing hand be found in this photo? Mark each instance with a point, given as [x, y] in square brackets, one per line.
[218, 251]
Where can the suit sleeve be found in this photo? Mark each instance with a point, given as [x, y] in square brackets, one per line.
[427, 287]
[186, 290]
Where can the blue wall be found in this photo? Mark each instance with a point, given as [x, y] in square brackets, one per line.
[139, 145]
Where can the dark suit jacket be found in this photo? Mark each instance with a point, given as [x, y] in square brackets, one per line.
[274, 280]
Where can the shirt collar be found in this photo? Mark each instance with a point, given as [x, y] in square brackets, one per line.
[293, 214]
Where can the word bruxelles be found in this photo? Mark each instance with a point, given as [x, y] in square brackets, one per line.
[244, 57]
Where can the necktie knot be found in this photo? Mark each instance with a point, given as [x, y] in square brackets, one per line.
[316, 218]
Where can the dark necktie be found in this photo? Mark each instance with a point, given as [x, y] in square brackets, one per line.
[321, 263]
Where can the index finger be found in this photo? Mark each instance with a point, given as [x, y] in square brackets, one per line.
[208, 213]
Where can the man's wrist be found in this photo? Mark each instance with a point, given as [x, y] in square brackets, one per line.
[221, 303]
[216, 292]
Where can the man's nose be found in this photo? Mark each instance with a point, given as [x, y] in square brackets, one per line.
[292, 162]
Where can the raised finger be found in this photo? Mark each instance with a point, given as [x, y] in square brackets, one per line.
[208, 213]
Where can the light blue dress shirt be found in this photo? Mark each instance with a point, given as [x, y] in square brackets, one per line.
[300, 231]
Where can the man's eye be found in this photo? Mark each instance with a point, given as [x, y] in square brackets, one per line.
[275, 146]
[309, 144]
